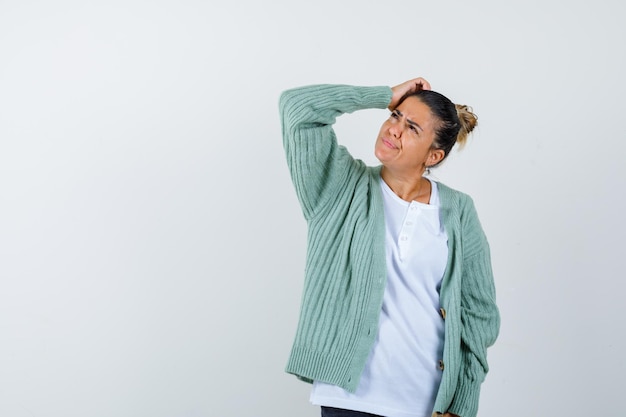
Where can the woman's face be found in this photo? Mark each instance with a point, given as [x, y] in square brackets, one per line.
[405, 140]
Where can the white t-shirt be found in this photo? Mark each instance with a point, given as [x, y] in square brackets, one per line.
[402, 374]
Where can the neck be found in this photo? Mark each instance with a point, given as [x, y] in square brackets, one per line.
[408, 187]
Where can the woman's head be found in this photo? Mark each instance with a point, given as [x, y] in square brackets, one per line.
[421, 130]
[453, 122]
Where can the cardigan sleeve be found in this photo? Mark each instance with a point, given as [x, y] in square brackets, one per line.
[318, 165]
[480, 318]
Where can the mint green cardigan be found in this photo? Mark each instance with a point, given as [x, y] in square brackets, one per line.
[345, 271]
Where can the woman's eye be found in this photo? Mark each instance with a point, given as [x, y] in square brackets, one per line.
[394, 115]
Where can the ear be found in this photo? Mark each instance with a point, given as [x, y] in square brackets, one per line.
[435, 156]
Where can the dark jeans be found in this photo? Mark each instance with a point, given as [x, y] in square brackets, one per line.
[339, 412]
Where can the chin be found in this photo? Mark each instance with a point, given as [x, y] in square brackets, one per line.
[381, 155]
[377, 155]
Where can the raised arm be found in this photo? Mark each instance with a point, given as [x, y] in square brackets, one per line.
[318, 165]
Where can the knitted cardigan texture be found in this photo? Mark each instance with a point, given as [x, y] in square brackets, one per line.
[345, 272]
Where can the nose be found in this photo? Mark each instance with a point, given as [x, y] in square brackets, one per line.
[395, 130]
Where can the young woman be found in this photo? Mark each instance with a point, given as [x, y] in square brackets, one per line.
[399, 300]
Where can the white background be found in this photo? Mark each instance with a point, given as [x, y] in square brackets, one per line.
[151, 244]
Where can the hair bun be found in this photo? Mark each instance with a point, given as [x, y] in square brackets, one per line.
[468, 122]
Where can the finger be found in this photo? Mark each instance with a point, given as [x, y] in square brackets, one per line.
[422, 84]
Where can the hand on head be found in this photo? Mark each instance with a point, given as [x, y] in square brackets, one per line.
[406, 87]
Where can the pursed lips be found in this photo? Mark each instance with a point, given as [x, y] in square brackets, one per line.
[389, 144]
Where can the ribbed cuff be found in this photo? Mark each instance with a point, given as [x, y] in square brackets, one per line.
[465, 403]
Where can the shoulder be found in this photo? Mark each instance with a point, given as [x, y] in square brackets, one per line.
[454, 199]
[459, 211]
[458, 207]
[374, 171]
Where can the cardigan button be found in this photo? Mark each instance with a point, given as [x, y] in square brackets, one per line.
[441, 365]
[442, 311]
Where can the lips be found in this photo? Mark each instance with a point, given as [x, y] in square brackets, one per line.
[388, 143]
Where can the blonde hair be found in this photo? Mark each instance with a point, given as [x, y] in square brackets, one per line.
[468, 121]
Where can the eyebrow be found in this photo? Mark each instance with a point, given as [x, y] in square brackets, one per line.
[409, 121]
